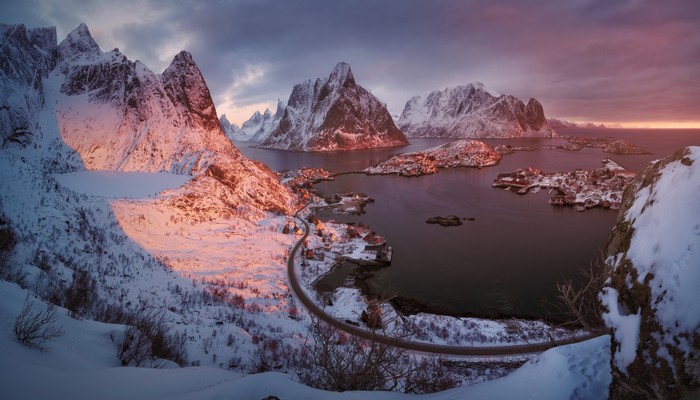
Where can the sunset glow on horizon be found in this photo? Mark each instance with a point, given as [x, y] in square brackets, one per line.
[632, 63]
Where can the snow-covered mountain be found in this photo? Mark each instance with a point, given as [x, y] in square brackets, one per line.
[334, 114]
[652, 295]
[563, 124]
[473, 111]
[72, 99]
[231, 130]
[259, 126]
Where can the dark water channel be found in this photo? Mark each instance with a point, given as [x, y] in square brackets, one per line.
[508, 259]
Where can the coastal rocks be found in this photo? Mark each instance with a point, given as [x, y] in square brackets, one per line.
[460, 153]
[608, 145]
[651, 297]
[620, 146]
[449, 220]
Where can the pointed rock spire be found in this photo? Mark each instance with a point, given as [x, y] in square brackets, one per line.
[79, 43]
[342, 75]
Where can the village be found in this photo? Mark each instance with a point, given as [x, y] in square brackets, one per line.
[460, 153]
[582, 189]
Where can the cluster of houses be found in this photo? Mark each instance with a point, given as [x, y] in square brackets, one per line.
[582, 188]
[374, 244]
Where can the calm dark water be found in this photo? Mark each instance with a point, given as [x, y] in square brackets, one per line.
[506, 261]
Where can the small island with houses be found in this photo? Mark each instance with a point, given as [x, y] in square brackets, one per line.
[581, 188]
[460, 153]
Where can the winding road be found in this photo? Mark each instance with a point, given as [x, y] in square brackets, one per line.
[407, 344]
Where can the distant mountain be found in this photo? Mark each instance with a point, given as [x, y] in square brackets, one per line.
[231, 130]
[259, 127]
[473, 111]
[334, 114]
[84, 108]
[562, 124]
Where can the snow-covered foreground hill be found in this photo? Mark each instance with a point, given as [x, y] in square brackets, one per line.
[81, 365]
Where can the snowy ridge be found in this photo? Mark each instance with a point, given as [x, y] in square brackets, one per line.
[652, 297]
[473, 111]
[334, 114]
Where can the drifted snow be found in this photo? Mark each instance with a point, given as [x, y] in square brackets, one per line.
[81, 365]
[120, 184]
[626, 327]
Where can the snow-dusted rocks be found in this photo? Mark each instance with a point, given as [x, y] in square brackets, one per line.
[473, 111]
[652, 298]
[460, 153]
[334, 114]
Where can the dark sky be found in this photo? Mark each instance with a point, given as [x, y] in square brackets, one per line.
[630, 61]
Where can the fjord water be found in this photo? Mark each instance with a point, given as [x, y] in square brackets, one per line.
[507, 261]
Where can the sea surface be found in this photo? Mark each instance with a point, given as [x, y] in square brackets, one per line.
[508, 260]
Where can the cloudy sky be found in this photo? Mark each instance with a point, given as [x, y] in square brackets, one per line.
[631, 61]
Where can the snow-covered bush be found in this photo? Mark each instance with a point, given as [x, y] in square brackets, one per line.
[35, 327]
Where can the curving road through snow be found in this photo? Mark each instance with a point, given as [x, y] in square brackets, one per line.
[407, 344]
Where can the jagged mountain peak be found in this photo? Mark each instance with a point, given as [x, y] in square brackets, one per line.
[184, 84]
[79, 43]
[334, 114]
[341, 75]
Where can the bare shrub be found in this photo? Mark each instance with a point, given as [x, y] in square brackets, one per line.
[79, 296]
[429, 374]
[36, 327]
[334, 360]
[135, 348]
[8, 241]
[580, 302]
[147, 324]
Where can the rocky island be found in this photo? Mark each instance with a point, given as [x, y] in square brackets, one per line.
[460, 153]
[448, 220]
[616, 146]
[582, 188]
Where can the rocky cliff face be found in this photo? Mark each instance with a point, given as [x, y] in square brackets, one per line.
[473, 111]
[334, 114]
[26, 57]
[652, 297]
[117, 114]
